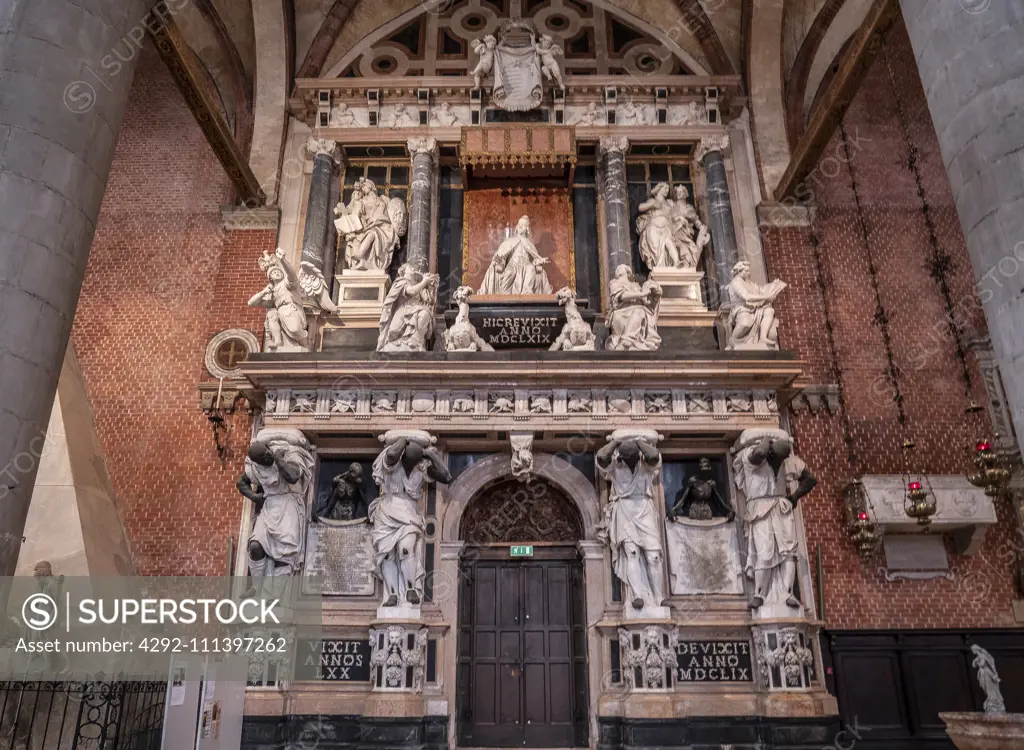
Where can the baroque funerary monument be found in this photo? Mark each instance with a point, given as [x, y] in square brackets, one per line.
[613, 373]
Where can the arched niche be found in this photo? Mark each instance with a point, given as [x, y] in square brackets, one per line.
[572, 484]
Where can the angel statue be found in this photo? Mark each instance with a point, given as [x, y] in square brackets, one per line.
[372, 226]
[407, 319]
[752, 323]
[591, 116]
[444, 116]
[576, 335]
[517, 266]
[485, 49]
[315, 287]
[462, 336]
[282, 296]
[548, 50]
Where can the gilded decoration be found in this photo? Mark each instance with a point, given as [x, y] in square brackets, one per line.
[518, 146]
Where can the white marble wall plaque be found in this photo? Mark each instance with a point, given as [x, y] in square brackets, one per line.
[339, 559]
[704, 557]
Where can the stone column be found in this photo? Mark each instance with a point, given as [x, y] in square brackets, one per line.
[424, 154]
[616, 206]
[315, 237]
[969, 59]
[711, 155]
[60, 119]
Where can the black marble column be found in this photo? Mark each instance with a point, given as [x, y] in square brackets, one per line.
[616, 208]
[424, 152]
[710, 153]
[315, 246]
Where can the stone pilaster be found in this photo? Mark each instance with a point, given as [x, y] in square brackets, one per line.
[968, 56]
[616, 206]
[424, 155]
[315, 237]
[711, 155]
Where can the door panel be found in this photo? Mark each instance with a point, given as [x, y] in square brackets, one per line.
[527, 664]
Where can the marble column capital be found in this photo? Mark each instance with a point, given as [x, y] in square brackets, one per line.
[324, 147]
[710, 145]
[613, 144]
[422, 145]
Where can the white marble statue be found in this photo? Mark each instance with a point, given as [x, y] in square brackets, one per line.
[402, 471]
[548, 50]
[407, 318]
[343, 117]
[462, 336]
[282, 296]
[635, 114]
[694, 114]
[752, 323]
[372, 226]
[401, 117]
[485, 49]
[632, 317]
[517, 267]
[592, 115]
[772, 480]
[278, 478]
[631, 526]
[444, 116]
[989, 680]
[522, 455]
[519, 66]
[576, 335]
[671, 233]
[315, 287]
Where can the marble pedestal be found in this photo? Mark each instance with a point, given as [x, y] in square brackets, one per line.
[682, 292]
[403, 612]
[361, 294]
[980, 731]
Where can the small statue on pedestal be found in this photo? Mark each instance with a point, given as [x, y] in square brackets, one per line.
[282, 296]
[772, 480]
[345, 501]
[407, 318]
[462, 336]
[752, 322]
[700, 500]
[671, 233]
[576, 335]
[633, 313]
[989, 680]
[401, 470]
[631, 526]
[372, 226]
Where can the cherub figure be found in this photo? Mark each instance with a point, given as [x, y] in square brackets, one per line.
[547, 50]
[592, 116]
[343, 117]
[485, 49]
[634, 114]
[400, 117]
[444, 116]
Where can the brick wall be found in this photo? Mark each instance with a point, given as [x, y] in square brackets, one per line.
[856, 593]
[163, 277]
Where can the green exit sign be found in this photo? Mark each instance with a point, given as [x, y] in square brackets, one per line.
[521, 550]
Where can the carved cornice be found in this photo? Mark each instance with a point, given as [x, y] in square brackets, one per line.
[242, 218]
[190, 78]
[817, 399]
[789, 213]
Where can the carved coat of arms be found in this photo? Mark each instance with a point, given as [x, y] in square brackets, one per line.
[518, 80]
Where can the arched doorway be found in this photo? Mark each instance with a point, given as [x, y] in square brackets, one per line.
[522, 672]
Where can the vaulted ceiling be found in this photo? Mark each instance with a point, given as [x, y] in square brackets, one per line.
[249, 52]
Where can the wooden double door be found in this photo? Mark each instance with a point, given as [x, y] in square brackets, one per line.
[522, 672]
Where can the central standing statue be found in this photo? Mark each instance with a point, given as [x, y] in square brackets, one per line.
[401, 470]
[517, 267]
[632, 519]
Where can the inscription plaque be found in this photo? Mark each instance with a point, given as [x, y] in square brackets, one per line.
[714, 661]
[335, 660]
[339, 559]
